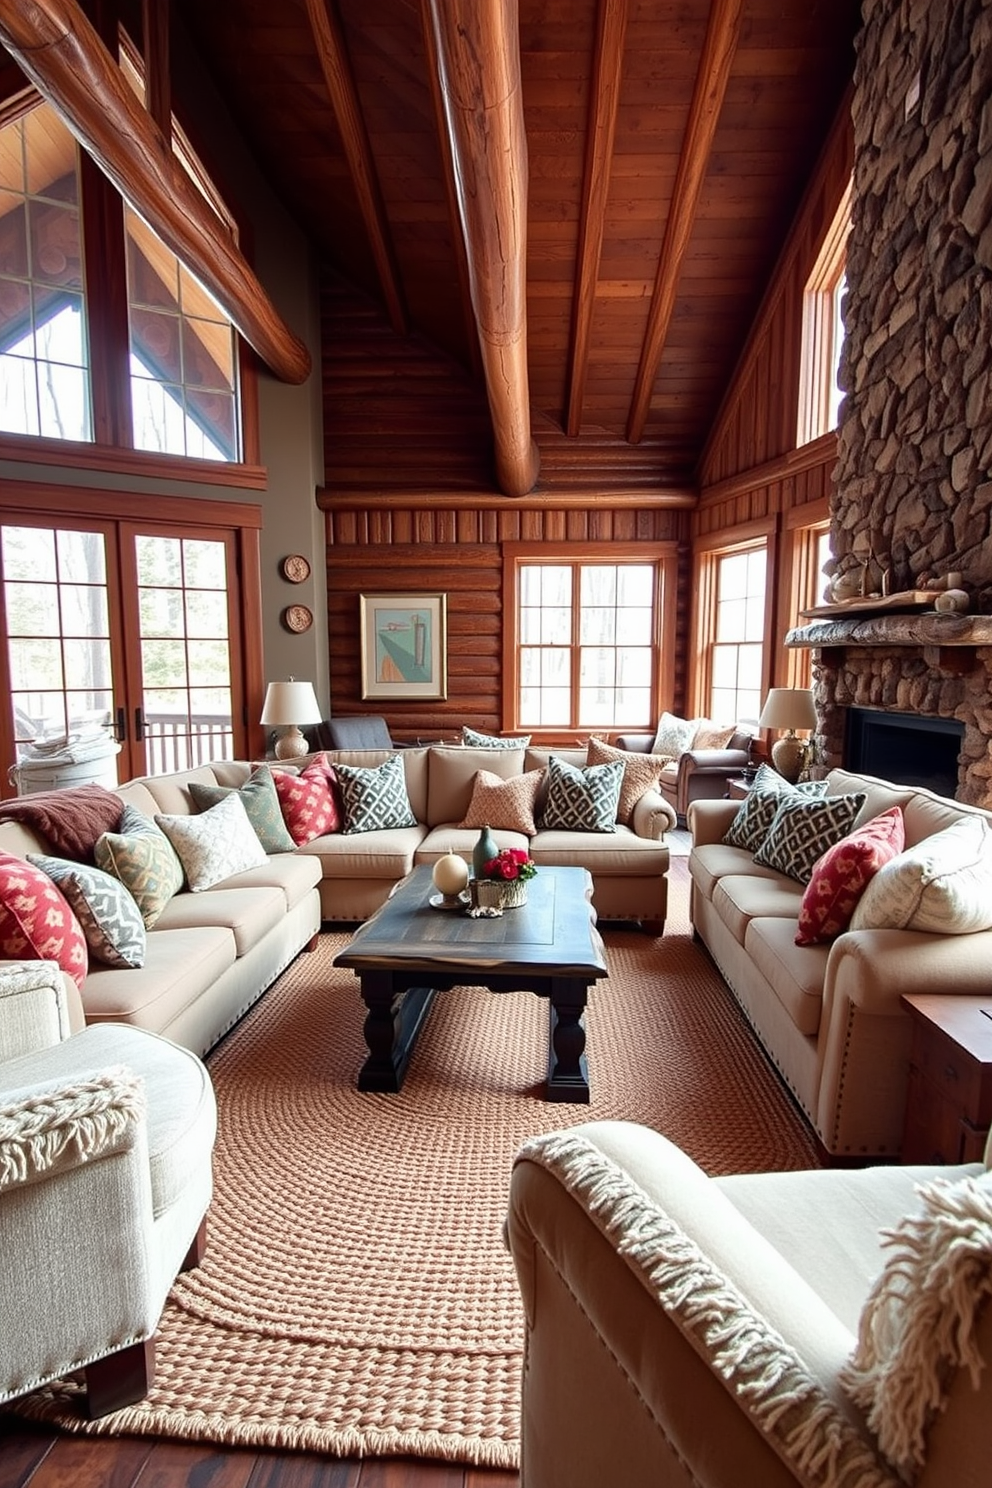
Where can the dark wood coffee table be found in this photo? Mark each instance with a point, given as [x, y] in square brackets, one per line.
[408, 952]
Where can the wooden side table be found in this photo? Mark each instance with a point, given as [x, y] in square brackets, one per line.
[738, 788]
[949, 1100]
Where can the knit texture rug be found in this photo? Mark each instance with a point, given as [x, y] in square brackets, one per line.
[356, 1297]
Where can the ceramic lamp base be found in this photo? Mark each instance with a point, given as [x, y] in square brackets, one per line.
[789, 757]
[291, 745]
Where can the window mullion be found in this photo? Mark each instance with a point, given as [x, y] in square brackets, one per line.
[576, 658]
[105, 268]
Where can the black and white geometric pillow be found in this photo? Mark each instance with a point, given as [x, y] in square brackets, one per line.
[375, 799]
[492, 741]
[583, 800]
[110, 919]
[803, 830]
[756, 812]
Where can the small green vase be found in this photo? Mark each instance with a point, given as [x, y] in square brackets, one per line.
[483, 852]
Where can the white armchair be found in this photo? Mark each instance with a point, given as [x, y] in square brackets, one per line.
[106, 1142]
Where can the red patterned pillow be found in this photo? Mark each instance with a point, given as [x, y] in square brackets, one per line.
[36, 922]
[841, 876]
[310, 802]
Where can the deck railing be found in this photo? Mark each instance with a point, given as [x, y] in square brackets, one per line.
[181, 743]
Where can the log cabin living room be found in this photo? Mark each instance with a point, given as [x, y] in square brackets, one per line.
[527, 400]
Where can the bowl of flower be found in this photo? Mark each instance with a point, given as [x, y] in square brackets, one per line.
[505, 878]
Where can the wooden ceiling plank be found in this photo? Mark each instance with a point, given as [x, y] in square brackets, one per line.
[58, 49]
[155, 47]
[334, 62]
[450, 191]
[722, 34]
[611, 32]
[478, 52]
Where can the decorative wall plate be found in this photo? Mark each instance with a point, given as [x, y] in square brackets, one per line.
[295, 568]
[297, 618]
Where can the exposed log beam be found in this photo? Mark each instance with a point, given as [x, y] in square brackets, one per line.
[722, 32]
[158, 74]
[62, 54]
[478, 49]
[611, 32]
[336, 67]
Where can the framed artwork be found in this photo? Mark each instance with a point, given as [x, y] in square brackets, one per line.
[404, 646]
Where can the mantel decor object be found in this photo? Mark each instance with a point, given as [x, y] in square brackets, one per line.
[295, 568]
[288, 705]
[789, 708]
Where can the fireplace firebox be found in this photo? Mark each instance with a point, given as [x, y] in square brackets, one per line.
[904, 748]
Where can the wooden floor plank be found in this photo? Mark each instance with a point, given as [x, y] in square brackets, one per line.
[175, 1464]
[23, 1448]
[477, 1477]
[410, 1472]
[302, 1470]
[89, 1462]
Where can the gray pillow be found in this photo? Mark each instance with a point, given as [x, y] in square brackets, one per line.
[260, 800]
[375, 799]
[583, 800]
[492, 741]
[756, 812]
[110, 919]
[804, 829]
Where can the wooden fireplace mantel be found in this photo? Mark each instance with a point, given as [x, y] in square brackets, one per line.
[948, 641]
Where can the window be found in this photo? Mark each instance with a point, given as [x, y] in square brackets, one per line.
[823, 332]
[737, 651]
[808, 552]
[584, 645]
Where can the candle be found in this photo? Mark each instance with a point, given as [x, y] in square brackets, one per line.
[450, 875]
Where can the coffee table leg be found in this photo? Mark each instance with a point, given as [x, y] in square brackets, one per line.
[392, 1023]
[568, 1074]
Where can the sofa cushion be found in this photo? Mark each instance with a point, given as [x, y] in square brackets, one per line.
[144, 860]
[841, 875]
[180, 967]
[451, 776]
[261, 802]
[740, 898]
[756, 812]
[309, 800]
[709, 862]
[385, 856]
[375, 800]
[218, 843]
[674, 735]
[795, 973]
[508, 804]
[249, 913]
[710, 735]
[617, 854]
[293, 874]
[475, 740]
[802, 831]
[109, 917]
[36, 921]
[641, 772]
[582, 800]
[942, 885]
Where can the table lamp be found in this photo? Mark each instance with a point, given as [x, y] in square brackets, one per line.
[287, 705]
[789, 708]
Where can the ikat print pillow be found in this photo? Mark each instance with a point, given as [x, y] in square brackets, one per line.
[310, 801]
[261, 802]
[756, 812]
[841, 875]
[36, 920]
[142, 857]
[583, 800]
[376, 799]
[803, 830]
[215, 845]
[110, 919]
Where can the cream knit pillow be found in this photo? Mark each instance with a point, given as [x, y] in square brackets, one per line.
[943, 884]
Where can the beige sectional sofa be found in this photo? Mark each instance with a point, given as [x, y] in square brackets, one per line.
[829, 1015]
[212, 953]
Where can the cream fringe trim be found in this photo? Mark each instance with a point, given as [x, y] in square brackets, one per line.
[84, 1118]
[767, 1377]
[918, 1324]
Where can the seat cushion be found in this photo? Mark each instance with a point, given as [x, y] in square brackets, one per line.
[249, 913]
[182, 1112]
[712, 861]
[618, 854]
[795, 973]
[180, 966]
[741, 897]
[378, 855]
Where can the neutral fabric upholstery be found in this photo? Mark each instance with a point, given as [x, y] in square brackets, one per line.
[695, 774]
[364, 732]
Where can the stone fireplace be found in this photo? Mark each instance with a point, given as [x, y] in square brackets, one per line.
[913, 492]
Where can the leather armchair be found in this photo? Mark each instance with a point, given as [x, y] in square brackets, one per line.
[685, 1331]
[698, 774]
[106, 1141]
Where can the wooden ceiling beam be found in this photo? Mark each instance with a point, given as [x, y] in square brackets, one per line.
[611, 33]
[722, 33]
[335, 64]
[478, 50]
[58, 49]
[158, 74]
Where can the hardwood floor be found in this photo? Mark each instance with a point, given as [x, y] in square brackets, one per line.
[42, 1458]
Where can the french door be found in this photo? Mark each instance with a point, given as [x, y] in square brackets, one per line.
[131, 626]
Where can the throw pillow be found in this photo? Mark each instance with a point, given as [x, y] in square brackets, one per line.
[641, 772]
[310, 800]
[261, 802]
[505, 804]
[375, 800]
[215, 845]
[36, 922]
[70, 820]
[110, 919]
[492, 741]
[802, 830]
[710, 735]
[756, 812]
[673, 735]
[943, 884]
[143, 859]
[583, 800]
[840, 876]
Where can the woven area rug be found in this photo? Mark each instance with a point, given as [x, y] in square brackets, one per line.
[356, 1296]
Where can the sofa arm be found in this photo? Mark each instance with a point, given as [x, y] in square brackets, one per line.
[652, 816]
[871, 969]
[708, 820]
[50, 1128]
[712, 761]
[636, 743]
[653, 1304]
[37, 1008]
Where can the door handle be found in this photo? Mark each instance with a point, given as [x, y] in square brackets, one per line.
[120, 730]
[139, 723]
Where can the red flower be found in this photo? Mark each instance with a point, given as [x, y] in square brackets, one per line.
[510, 864]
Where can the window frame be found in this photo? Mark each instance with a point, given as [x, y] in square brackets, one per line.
[820, 351]
[707, 553]
[804, 582]
[662, 555]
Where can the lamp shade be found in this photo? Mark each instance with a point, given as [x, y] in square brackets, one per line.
[788, 708]
[290, 702]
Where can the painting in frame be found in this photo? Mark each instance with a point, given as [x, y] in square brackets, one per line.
[404, 646]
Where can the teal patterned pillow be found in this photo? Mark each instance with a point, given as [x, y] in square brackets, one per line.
[260, 800]
[492, 741]
[375, 799]
[804, 829]
[583, 800]
[756, 812]
[143, 859]
[110, 919]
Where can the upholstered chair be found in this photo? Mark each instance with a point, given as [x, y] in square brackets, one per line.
[106, 1142]
[756, 1331]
